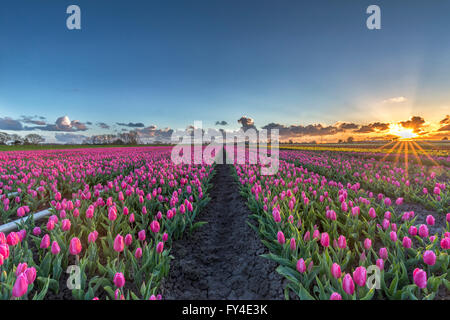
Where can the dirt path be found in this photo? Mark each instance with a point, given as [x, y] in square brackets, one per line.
[221, 259]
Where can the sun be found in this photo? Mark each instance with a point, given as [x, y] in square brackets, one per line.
[403, 133]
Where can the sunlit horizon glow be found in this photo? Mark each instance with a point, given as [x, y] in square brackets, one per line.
[401, 132]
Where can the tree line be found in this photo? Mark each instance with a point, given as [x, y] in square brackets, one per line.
[15, 139]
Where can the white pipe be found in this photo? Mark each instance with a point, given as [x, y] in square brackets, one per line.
[10, 226]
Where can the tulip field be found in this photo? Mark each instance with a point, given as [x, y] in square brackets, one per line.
[338, 225]
[331, 221]
[113, 214]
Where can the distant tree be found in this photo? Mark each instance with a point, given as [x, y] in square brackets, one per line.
[444, 138]
[341, 141]
[16, 139]
[118, 141]
[350, 139]
[4, 137]
[33, 138]
[290, 141]
[129, 137]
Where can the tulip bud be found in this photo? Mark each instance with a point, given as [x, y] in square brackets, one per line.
[119, 280]
[119, 243]
[45, 242]
[75, 246]
[55, 248]
[360, 276]
[429, 257]
[336, 270]
[335, 296]
[383, 253]
[301, 266]
[20, 286]
[348, 285]
[420, 278]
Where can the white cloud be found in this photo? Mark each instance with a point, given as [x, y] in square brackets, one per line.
[395, 100]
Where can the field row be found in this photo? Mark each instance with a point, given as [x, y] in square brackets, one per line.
[334, 240]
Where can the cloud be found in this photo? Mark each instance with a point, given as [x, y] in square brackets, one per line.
[415, 123]
[373, 127]
[246, 122]
[395, 100]
[33, 120]
[445, 128]
[348, 126]
[103, 125]
[7, 123]
[300, 130]
[62, 124]
[70, 138]
[446, 120]
[221, 123]
[131, 124]
[152, 133]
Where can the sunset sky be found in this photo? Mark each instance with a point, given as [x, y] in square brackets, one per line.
[309, 68]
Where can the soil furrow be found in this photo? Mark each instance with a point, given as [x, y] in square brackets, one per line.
[221, 259]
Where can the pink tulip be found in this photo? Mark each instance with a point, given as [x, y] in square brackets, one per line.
[119, 243]
[292, 244]
[429, 257]
[445, 243]
[75, 246]
[423, 231]
[30, 274]
[20, 286]
[383, 253]
[342, 242]
[367, 243]
[141, 235]
[325, 240]
[45, 242]
[430, 220]
[128, 240]
[393, 236]
[112, 215]
[412, 231]
[301, 266]
[55, 248]
[348, 285]
[420, 278]
[36, 231]
[119, 280]
[280, 237]
[407, 242]
[21, 267]
[12, 239]
[65, 225]
[336, 270]
[4, 250]
[360, 276]
[92, 237]
[380, 264]
[138, 253]
[372, 213]
[154, 226]
[165, 237]
[160, 247]
[335, 296]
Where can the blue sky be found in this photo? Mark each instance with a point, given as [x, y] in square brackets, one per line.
[168, 63]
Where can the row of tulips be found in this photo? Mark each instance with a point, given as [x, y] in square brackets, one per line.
[109, 241]
[412, 182]
[337, 241]
[30, 179]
